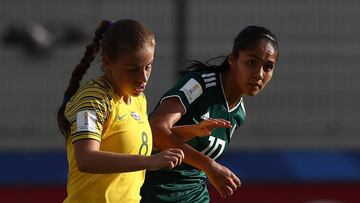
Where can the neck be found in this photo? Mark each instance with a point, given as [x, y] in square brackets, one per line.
[232, 95]
[120, 94]
[127, 99]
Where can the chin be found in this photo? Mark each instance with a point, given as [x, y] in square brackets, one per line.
[136, 94]
[252, 93]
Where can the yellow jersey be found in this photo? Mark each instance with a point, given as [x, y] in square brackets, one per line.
[97, 112]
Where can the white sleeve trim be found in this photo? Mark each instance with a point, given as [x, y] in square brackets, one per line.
[170, 96]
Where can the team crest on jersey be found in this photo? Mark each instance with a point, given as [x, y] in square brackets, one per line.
[192, 90]
[86, 121]
[135, 115]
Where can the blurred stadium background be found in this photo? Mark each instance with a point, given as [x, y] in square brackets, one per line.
[300, 143]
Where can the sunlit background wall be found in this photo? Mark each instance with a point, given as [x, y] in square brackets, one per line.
[302, 133]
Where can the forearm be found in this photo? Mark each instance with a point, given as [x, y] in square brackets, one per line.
[109, 162]
[184, 132]
[164, 139]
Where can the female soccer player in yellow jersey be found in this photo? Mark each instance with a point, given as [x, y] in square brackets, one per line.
[109, 140]
[105, 123]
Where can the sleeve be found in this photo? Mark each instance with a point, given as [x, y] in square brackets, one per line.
[188, 89]
[87, 114]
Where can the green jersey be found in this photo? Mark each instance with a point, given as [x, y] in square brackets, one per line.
[202, 95]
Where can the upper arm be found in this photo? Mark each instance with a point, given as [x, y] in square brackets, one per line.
[162, 120]
[84, 146]
[167, 113]
[87, 114]
[82, 150]
[175, 103]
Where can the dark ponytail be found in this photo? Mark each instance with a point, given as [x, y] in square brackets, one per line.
[245, 40]
[80, 69]
[198, 66]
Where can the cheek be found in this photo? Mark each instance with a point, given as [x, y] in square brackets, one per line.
[121, 79]
[148, 74]
[269, 75]
[242, 75]
[118, 76]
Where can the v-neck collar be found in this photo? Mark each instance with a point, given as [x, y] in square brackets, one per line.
[226, 102]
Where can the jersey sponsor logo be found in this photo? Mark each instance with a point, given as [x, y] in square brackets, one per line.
[208, 75]
[209, 79]
[86, 121]
[211, 84]
[135, 115]
[121, 117]
[192, 90]
[205, 116]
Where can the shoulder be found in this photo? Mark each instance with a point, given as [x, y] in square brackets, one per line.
[95, 90]
[98, 88]
[95, 94]
[203, 78]
[191, 86]
[200, 82]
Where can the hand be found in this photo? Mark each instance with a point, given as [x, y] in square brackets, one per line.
[167, 158]
[224, 181]
[207, 125]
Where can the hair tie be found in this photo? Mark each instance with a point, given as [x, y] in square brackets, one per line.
[66, 99]
[111, 23]
[268, 36]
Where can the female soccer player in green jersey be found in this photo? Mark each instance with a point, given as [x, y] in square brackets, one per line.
[208, 91]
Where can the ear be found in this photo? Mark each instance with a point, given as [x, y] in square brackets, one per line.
[106, 63]
[231, 60]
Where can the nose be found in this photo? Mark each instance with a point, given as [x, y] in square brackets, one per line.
[143, 76]
[259, 73]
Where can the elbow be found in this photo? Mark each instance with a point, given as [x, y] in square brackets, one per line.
[159, 125]
[158, 128]
[160, 133]
[84, 165]
[157, 136]
[83, 168]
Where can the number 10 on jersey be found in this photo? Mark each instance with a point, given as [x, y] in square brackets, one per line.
[215, 143]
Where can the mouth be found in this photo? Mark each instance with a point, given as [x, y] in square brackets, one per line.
[140, 88]
[255, 85]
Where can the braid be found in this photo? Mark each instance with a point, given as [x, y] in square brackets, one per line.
[80, 69]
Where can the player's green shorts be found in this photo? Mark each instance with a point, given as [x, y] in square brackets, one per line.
[157, 190]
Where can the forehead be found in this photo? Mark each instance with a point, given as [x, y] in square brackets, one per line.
[263, 49]
[144, 55]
